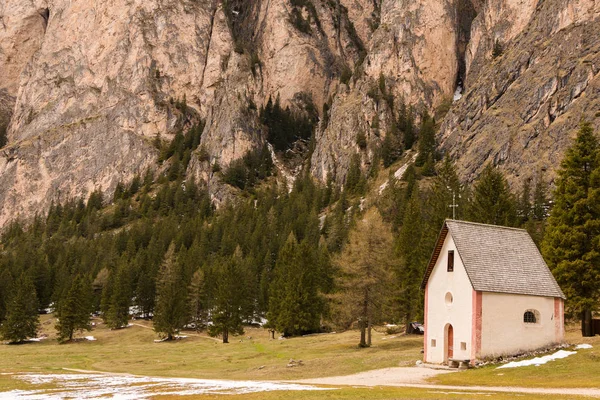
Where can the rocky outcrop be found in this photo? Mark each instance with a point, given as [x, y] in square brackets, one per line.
[94, 93]
[415, 52]
[521, 110]
[86, 86]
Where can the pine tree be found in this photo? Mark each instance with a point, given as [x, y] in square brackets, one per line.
[230, 298]
[198, 300]
[413, 257]
[427, 145]
[144, 295]
[493, 203]
[355, 179]
[120, 299]
[540, 198]
[524, 208]
[6, 287]
[571, 246]
[536, 225]
[366, 266]
[170, 314]
[73, 311]
[446, 191]
[295, 303]
[22, 320]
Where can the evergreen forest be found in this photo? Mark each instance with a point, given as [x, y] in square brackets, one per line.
[308, 259]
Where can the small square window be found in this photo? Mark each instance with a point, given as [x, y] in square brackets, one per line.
[432, 342]
[463, 345]
[450, 260]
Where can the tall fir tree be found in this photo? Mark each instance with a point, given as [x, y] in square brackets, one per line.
[296, 302]
[427, 145]
[6, 287]
[198, 298]
[22, 320]
[540, 207]
[145, 294]
[448, 195]
[365, 266]
[170, 313]
[413, 257]
[540, 198]
[493, 202]
[230, 298]
[571, 244]
[120, 298]
[524, 206]
[74, 309]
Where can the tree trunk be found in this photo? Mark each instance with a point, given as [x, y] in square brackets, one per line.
[363, 340]
[225, 335]
[408, 320]
[369, 332]
[586, 323]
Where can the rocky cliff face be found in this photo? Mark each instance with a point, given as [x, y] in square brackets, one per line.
[86, 86]
[522, 108]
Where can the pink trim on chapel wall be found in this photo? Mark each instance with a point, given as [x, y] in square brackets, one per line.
[558, 319]
[476, 326]
[425, 327]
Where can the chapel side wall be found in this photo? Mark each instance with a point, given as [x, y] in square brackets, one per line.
[459, 313]
[504, 331]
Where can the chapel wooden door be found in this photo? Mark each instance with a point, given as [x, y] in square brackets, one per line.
[450, 342]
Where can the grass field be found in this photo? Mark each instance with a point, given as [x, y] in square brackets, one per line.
[254, 356]
[579, 370]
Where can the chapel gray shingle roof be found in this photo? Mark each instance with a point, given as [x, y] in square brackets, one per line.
[499, 259]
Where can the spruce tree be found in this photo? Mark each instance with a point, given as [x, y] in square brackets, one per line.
[427, 145]
[6, 287]
[73, 311]
[22, 320]
[536, 226]
[296, 303]
[571, 246]
[365, 266]
[170, 313]
[198, 300]
[413, 256]
[493, 203]
[524, 207]
[230, 298]
[120, 299]
[540, 198]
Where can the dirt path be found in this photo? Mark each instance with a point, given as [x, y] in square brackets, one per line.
[416, 378]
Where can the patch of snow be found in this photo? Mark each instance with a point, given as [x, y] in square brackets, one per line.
[289, 178]
[583, 346]
[126, 387]
[399, 172]
[538, 360]
[37, 339]
[458, 94]
[90, 338]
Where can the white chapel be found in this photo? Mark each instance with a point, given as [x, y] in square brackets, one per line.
[488, 292]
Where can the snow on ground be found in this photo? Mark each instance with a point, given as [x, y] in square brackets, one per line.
[538, 360]
[399, 172]
[126, 387]
[458, 94]
[583, 346]
[90, 338]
